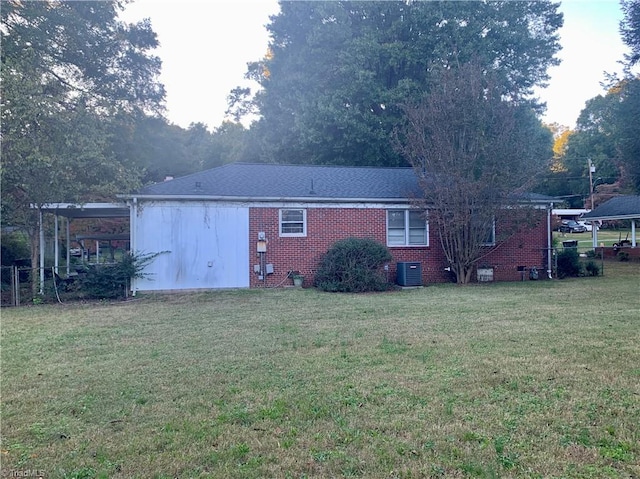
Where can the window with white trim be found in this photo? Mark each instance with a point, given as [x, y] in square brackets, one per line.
[490, 238]
[407, 228]
[293, 222]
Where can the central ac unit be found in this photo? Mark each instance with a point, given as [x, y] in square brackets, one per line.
[409, 274]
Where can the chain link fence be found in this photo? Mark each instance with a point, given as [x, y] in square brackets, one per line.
[97, 282]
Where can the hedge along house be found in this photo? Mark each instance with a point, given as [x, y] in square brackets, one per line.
[252, 225]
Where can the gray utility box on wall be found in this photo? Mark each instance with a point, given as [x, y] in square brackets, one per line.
[409, 274]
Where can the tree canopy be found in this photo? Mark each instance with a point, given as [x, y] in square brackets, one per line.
[70, 69]
[337, 72]
[630, 29]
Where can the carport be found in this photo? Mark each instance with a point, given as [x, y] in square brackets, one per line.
[72, 211]
[618, 208]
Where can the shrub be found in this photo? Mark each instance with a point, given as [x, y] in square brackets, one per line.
[592, 269]
[623, 256]
[13, 248]
[353, 265]
[569, 263]
[112, 280]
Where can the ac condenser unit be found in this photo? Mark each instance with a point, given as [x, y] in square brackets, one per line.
[409, 274]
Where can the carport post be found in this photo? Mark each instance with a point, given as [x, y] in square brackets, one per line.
[68, 247]
[56, 246]
[41, 238]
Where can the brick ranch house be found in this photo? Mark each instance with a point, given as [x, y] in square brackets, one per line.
[250, 225]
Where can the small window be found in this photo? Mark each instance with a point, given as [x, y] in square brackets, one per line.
[490, 238]
[486, 231]
[406, 228]
[293, 222]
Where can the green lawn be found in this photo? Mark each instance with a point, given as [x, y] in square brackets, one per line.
[520, 380]
[585, 240]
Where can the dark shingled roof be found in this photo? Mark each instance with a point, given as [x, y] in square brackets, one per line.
[620, 207]
[260, 181]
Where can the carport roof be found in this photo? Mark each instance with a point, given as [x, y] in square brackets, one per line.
[618, 208]
[87, 210]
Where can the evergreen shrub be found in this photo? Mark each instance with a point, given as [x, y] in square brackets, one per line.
[569, 263]
[353, 265]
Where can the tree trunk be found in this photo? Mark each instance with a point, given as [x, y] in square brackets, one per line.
[34, 276]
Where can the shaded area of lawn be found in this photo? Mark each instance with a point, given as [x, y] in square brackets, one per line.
[533, 379]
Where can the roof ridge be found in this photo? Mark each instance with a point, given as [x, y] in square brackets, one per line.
[296, 165]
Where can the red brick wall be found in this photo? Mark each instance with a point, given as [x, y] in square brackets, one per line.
[325, 226]
[526, 248]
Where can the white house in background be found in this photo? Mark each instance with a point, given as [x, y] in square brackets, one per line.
[568, 213]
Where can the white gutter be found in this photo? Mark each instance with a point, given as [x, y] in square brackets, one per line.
[280, 199]
[607, 218]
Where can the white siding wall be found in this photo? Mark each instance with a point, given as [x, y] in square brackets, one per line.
[206, 245]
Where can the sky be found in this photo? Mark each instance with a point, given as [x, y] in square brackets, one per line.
[205, 46]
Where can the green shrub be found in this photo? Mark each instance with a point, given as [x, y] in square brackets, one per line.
[353, 265]
[569, 263]
[591, 268]
[13, 247]
[623, 256]
[110, 281]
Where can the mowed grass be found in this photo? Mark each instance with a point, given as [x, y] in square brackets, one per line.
[531, 379]
[606, 237]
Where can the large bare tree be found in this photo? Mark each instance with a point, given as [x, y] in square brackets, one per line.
[474, 151]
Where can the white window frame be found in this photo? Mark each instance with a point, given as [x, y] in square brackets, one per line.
[492, 242]
[407, 237]
[281, 223]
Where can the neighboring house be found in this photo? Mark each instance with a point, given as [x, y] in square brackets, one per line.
[560, 214]
[250, 225]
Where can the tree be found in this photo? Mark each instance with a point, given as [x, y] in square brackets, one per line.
[630, 29]
[629, 106]
[472, 151]
[337, 72]
[230, 143]
[68, 69]
[627, 112]
[591, 142]
[606, 135]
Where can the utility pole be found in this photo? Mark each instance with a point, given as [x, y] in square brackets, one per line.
[592, 170]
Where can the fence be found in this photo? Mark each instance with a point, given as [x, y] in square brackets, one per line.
[17, 286]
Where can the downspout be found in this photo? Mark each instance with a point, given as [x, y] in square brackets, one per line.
[549, 233]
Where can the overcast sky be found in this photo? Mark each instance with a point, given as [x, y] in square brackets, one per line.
[206, 45]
